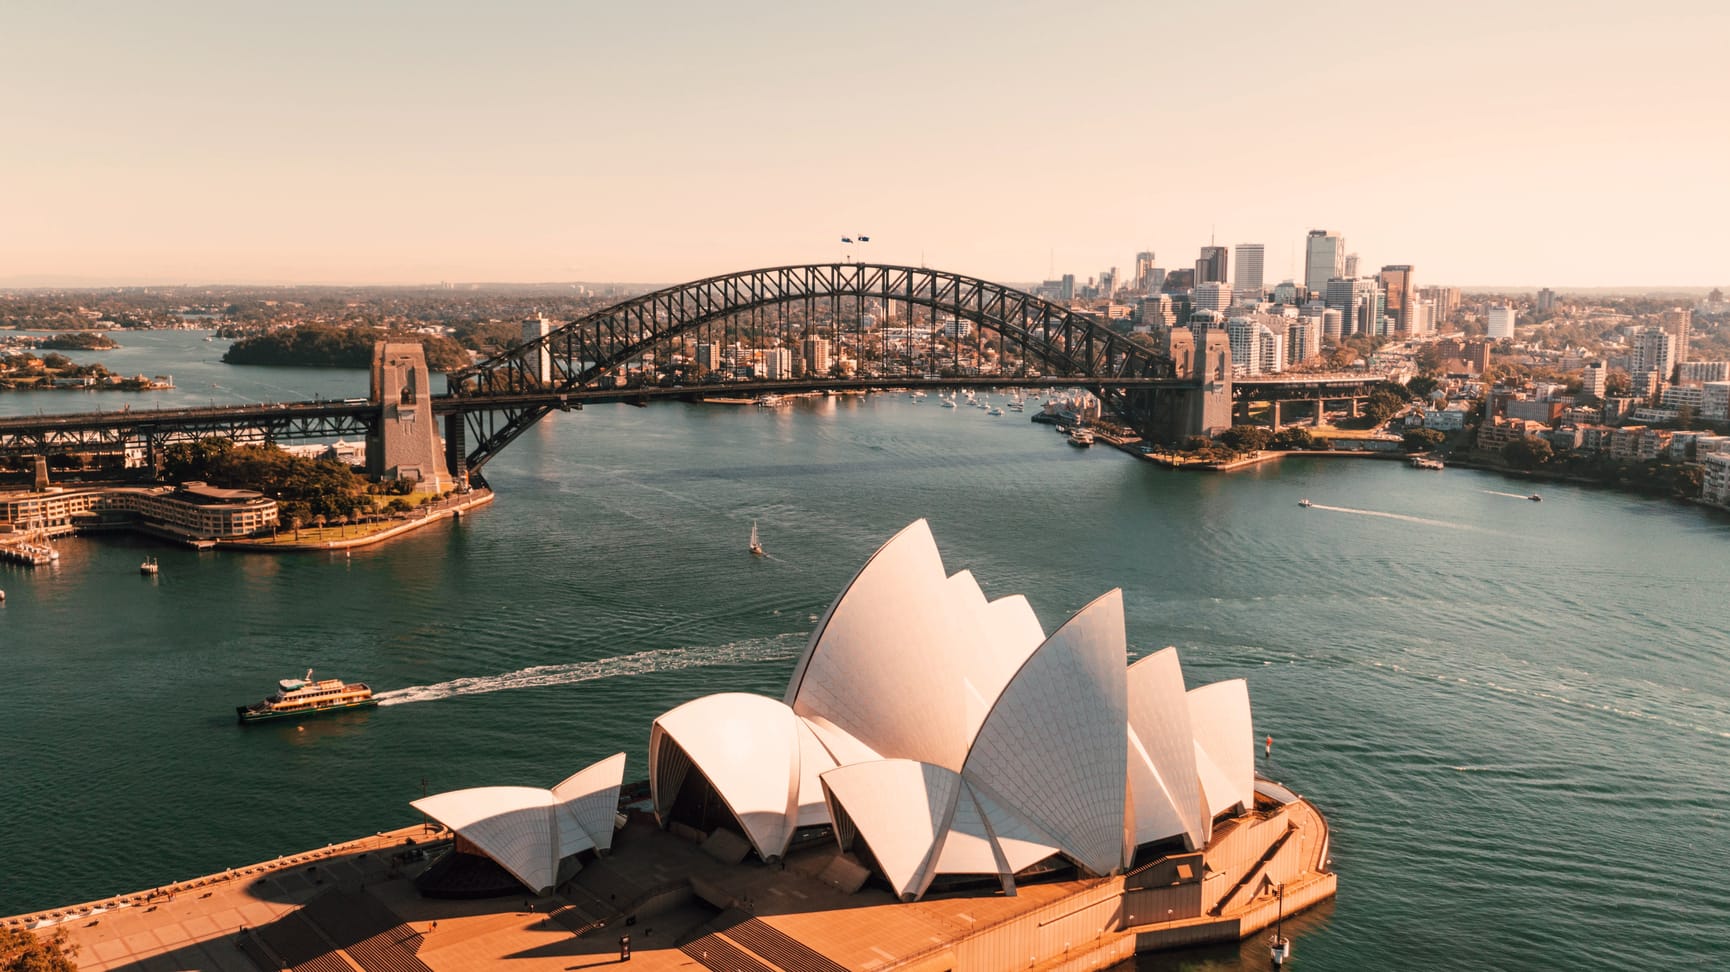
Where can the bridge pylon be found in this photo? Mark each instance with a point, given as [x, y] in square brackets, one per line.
[405, 444]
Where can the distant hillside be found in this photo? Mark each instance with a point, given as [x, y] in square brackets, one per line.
[323, 346]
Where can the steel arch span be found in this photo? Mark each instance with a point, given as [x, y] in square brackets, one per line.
[1047, 340]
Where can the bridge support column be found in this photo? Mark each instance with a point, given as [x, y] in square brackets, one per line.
[456, 450]
[1357, 407]
[1273, 409]
[406, 442]
[1321, 412]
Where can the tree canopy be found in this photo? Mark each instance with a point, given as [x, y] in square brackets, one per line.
[22, 950]
[327, 346]
[302, 487]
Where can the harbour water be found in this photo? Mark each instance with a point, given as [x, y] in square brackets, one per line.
[1516, 715]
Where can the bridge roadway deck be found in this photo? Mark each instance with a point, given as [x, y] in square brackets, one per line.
[278, 413]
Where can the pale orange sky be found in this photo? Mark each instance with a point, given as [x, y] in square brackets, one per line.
[1580, 143]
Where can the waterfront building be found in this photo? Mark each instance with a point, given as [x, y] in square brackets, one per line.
[1499, 322]
[817, 359]
[1396, 281]
[1324, 259]
[1716, 487]
[709, 357]
[1497, 432]
[1212, 266]
[1213, 296]
[540, 360]
[927, 739]
[1250, 257]
[192, 511]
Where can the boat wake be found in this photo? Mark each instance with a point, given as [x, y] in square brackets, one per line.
[1392, 516]
[1497, 492]
[776, 648]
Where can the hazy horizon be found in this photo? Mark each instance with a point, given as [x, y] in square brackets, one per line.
[1577, 145]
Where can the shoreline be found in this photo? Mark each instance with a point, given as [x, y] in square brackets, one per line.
[476, 499]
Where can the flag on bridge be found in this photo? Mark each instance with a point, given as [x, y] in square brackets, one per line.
[864, 239]
[846, 239]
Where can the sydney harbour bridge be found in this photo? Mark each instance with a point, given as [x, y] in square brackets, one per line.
[974, 333]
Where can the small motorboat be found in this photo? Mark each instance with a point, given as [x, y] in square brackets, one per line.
[1535, 498]
[149, 567]
[1305, 503]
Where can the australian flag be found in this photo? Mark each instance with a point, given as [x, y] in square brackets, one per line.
[864, 239]
[846, 239]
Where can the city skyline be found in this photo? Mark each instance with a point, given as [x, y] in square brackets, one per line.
[200, 144]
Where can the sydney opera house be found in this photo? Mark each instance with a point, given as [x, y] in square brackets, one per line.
[937, 756]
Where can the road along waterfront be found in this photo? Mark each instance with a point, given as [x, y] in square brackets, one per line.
[1508, 711]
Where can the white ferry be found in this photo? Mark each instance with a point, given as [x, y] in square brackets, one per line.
[297, 697]
[1081, 437]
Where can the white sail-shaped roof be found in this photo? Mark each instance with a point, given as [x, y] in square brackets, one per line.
[748, 747]
[881, 664]
[513, 825]
[902, 809]
[588, 802]
[1220, 716]
[1162, 774]
[1054, 746]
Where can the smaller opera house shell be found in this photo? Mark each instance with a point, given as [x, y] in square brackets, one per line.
[939, 735]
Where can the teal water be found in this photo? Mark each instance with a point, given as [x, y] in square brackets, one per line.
[1516, 715]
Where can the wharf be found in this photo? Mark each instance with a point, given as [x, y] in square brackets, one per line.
[355, 906]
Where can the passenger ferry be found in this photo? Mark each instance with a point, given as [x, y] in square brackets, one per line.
[296, 697]
[1080, 437]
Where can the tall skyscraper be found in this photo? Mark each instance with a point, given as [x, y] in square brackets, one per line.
[1397, 281]
[1499, 322]
[1360, 303]
[1324, 259]
[540, 361]
[817, 355]
[1447, 301]
[1351, 269]
[1679, 321]
[1249, 268]
[1211, 268]
[1654, 353]
[1546, 300]
[1143, 272]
